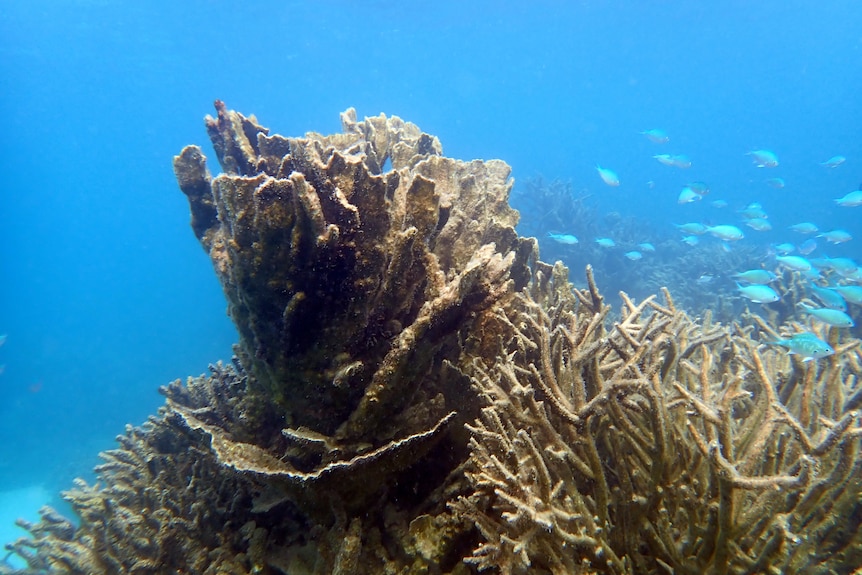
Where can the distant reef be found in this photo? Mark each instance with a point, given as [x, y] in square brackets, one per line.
[415, 392]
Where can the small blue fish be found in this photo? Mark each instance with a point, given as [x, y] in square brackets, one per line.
[829, 297]
[646, 247]
[753, 210]
[758, 224]
[776, 183]
[805, 228]
[851, 200]
[758, 293]
[634, 255]
[833, 162]
[656, 136]
[842, 266]
[675, 161]
[836, 236]
[761, 277]
[608, 176]
[784, 248]
[764, 158]
[699, 188]
[691, 240]
[687, 195]
[833, 317]
[726, 232]
[606, 242]
[692, 228]
[796, 263]
[567, 239]
[719, 204]
[806, 345]
[704, 279]
[807, 247]
[853, 294]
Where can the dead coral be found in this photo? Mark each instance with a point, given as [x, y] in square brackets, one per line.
[657, 445]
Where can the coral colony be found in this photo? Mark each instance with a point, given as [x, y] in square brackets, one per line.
[414, 391]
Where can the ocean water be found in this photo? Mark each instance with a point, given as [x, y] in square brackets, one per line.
[105, 294]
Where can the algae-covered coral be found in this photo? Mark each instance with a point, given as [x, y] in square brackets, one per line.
[415, 392]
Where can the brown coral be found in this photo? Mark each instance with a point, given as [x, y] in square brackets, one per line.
[660, 446]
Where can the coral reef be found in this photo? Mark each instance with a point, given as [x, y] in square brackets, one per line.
[660, 445]
[414, 392]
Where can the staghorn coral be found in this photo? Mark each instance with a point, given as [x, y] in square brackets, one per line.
[657, 445]
[367, 303]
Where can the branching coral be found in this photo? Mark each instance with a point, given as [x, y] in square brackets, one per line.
[658, 445]
[368, 300]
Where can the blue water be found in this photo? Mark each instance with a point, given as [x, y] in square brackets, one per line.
[104, 292]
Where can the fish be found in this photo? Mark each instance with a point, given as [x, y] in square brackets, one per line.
[851, 200]
[752, 211]
[806, 345]
[634, 255]
[691, 240]
[704, 279]
[829, 297]
[842, 266]
[836, 236]
[567, 239]
[804, 228]
[725, 232]
[3, 339]
[719, 204]
[646, 247]
[807, 247]
[796, 263]
[676, 161]
[776, 183]
[833, 317]
[608, 176]
[606, 242]
[784, 248]
[758, 293]
[758, 224]
[833, 162]
[853, 294]
[756, 276]
[687, 195]
[699, 188]
[764, 158]
[692, 228]
[656, 136]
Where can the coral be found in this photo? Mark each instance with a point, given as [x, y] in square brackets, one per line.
[659, 445]
[414, 392]
[345, 281]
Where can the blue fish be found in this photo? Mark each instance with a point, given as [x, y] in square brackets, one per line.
[758, 293]
[656, 136]
[567, 239]
[829, 297]
[764, 158]
[761, 277]
[806, 345]
[833, 317]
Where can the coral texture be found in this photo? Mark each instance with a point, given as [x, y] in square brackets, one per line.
[660, 445]
[414, 392]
